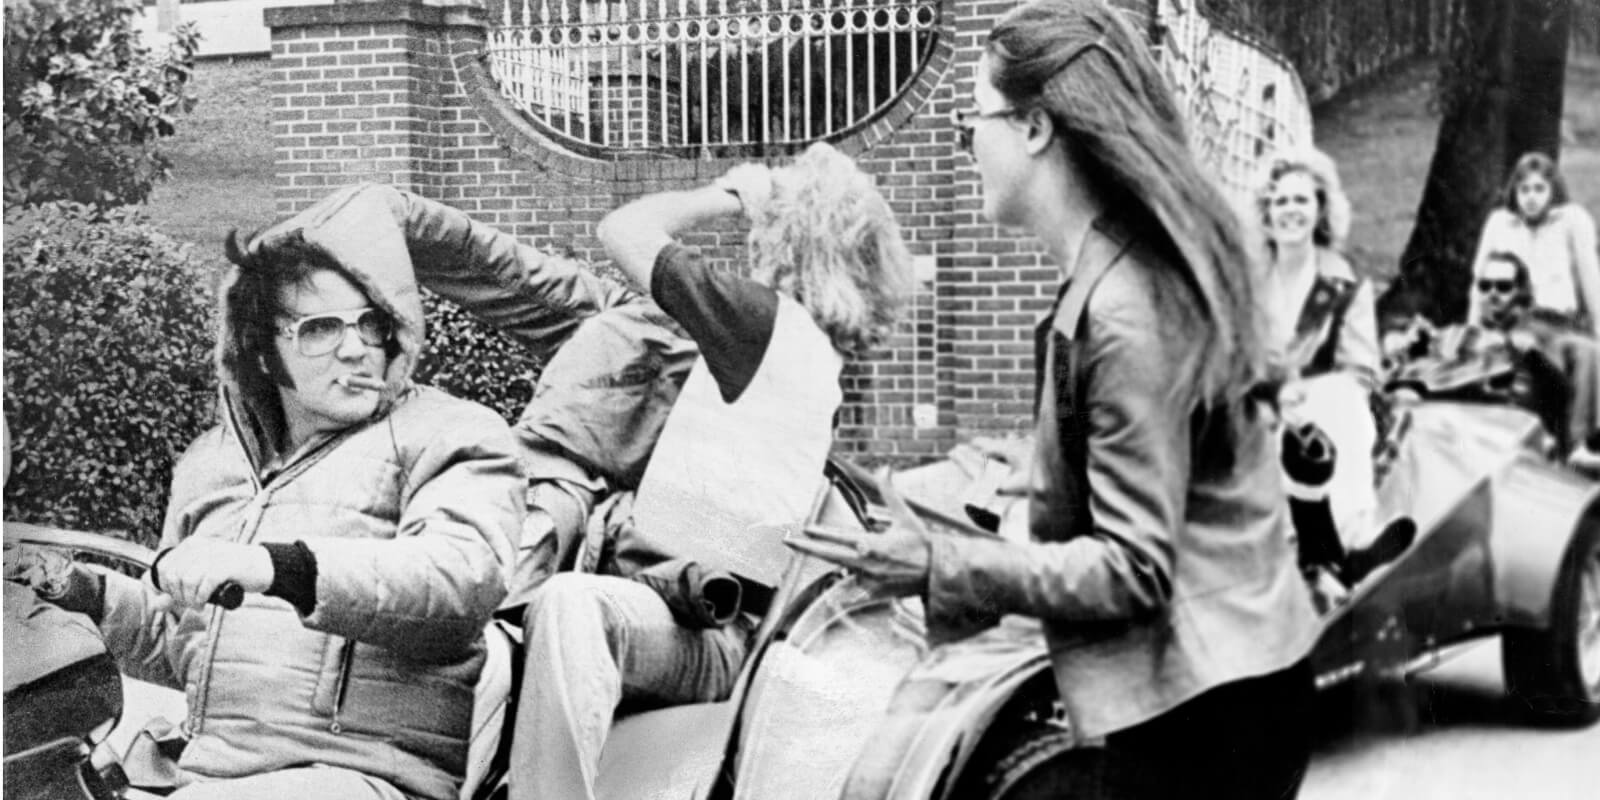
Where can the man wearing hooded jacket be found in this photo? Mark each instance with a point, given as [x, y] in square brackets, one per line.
[371, 522]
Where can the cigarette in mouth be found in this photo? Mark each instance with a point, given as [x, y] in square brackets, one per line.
[359, 382]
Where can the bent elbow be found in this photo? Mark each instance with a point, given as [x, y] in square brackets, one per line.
[1148, 589]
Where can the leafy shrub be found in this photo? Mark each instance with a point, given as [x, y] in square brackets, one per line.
[473, 360]
[108, 371]
[85, 99]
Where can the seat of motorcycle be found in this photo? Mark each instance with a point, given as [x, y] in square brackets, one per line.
[635, 764]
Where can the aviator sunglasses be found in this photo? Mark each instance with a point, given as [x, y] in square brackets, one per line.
[319, 334]
[1488, 286]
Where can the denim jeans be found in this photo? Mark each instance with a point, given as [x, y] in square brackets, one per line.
[593, 642]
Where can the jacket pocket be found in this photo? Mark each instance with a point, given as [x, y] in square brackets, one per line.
[333, 679]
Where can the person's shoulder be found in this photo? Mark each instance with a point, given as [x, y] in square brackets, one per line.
[1333, 264]
[1142, 283]
[1574, 215]
[210, 462]
[207, 446]
[1499, 219]
[435, 407]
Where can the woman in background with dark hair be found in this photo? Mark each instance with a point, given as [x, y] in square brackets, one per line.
[1160, 560]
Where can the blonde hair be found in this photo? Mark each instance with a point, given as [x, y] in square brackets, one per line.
[1333, 207]
[828, 239]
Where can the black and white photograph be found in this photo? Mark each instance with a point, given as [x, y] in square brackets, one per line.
[801, 399]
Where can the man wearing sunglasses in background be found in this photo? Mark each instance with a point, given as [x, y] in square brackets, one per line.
[1501, 357]
[370, 523]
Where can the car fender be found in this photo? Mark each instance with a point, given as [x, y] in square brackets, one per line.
[944, 707]
[1538, 508]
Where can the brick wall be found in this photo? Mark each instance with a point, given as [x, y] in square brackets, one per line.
[396, 91]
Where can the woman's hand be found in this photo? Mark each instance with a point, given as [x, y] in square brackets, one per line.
[1015, 452]
[898, 559]
[189, 572]
[751, 183]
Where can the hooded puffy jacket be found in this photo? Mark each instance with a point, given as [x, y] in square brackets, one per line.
[410, 517]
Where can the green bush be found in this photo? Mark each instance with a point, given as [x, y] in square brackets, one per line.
[473, 360]
[85, 99]
[108, 370]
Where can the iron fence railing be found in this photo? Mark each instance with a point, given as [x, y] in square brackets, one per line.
[706, 77]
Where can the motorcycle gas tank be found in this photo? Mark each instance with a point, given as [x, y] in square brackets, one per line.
[60, 686]
[59, 680]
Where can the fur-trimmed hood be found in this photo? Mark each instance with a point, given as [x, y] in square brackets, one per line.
[361, 231]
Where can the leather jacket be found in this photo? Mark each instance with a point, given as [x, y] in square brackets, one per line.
[1161, 560]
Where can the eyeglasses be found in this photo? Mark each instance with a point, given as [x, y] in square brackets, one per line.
[319, 334]
[964, 120]
[1488, 286]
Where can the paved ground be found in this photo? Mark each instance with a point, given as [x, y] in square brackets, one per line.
[1465, 742]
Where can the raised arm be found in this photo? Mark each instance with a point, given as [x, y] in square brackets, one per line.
[535, 297]
[634, 234]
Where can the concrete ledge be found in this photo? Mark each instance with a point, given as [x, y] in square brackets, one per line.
[377, 11]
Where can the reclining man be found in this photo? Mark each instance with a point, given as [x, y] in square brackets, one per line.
[744, 443]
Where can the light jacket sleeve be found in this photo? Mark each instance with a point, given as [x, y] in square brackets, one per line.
[429, 591]
[136, 632]
[1138, 418]
[533, 296]
[139, 631]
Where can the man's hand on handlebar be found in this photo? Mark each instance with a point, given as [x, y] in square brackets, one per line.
[191, 573]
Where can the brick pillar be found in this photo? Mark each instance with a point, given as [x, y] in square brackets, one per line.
[356, 93]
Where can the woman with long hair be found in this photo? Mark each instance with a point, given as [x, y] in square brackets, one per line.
[1160, 558]
[1323, 320]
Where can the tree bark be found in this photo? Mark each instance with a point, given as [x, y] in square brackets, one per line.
[1539, 69]
[1501, 89]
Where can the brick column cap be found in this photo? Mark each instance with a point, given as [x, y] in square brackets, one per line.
[426, 12]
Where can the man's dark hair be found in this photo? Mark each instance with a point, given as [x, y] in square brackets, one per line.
[252, 308]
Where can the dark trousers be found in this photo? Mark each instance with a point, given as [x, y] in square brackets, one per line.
[1242, 740]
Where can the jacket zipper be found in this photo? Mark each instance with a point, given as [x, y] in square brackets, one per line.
[346, 662]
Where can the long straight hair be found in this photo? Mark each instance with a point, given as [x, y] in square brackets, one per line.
[1081, 63]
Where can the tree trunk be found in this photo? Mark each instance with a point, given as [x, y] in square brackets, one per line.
[1539, 69]
[1501, 89]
